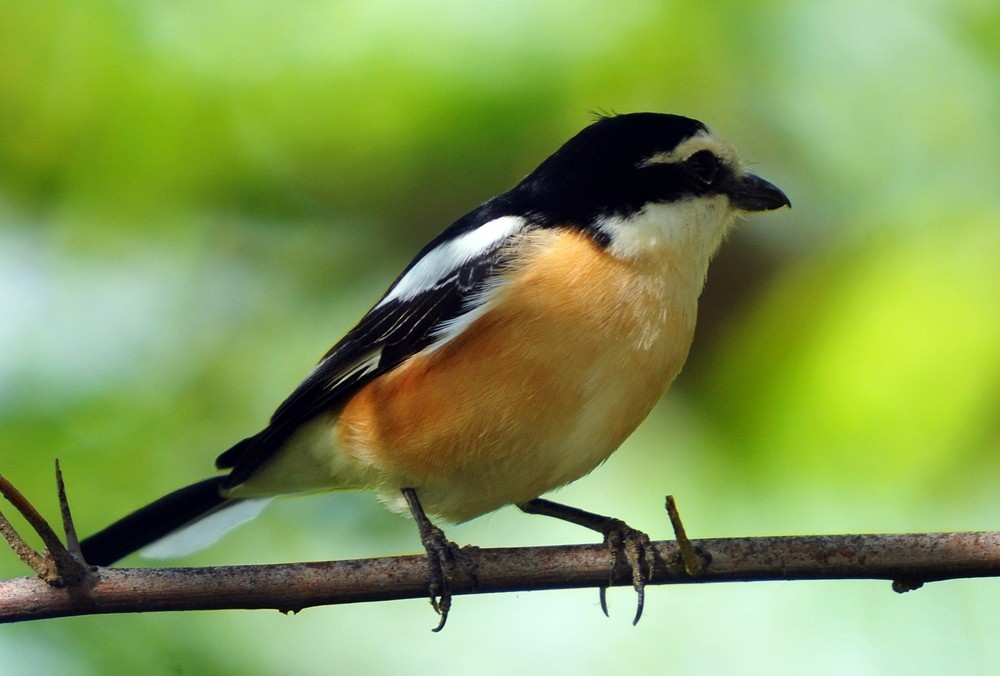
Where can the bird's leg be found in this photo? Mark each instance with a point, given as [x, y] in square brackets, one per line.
[441, 557]
[620, 538]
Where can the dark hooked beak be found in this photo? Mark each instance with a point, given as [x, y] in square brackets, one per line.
[749, 192]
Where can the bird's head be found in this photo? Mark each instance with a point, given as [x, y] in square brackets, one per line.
[642, 181]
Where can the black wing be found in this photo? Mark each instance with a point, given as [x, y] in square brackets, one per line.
[390, 333]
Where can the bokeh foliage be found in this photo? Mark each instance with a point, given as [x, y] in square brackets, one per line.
[197, 198]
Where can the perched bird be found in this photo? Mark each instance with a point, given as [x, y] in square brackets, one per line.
[513, 355]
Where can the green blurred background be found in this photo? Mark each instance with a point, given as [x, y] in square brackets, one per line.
[196, 199]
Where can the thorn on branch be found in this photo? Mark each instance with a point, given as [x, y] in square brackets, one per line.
[73, 569]
[72, 541]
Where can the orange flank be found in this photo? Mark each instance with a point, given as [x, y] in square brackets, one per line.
[574, 351]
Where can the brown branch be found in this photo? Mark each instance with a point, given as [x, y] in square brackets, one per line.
[908, 560]
[66, 586]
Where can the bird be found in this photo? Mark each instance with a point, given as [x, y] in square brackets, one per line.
[513, 355]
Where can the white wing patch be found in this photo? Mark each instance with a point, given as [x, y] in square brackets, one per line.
[440, 262]
[450, 328]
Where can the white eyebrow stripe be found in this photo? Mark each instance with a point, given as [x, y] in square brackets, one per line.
[448, 256]
[703, 140]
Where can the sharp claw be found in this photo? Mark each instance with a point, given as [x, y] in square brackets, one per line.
[436, 589]
[641, 593]
[442, 609]
[603, 591]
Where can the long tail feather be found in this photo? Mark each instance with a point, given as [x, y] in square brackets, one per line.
[155, 521]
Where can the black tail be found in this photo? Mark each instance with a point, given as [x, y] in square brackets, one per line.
[154, 521]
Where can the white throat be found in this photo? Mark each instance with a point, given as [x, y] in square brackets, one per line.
[683, 233]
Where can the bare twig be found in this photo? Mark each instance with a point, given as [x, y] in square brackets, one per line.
[43, 566]
[58, 566]
[693, 564]
[24, 551]
[916, 558]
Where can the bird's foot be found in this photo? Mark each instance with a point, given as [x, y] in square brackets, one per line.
[443, 559]
[634, 546]
[620, 538]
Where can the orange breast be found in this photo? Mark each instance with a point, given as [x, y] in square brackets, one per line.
[536, 392]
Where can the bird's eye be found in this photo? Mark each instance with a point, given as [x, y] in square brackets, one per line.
[703, 166]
